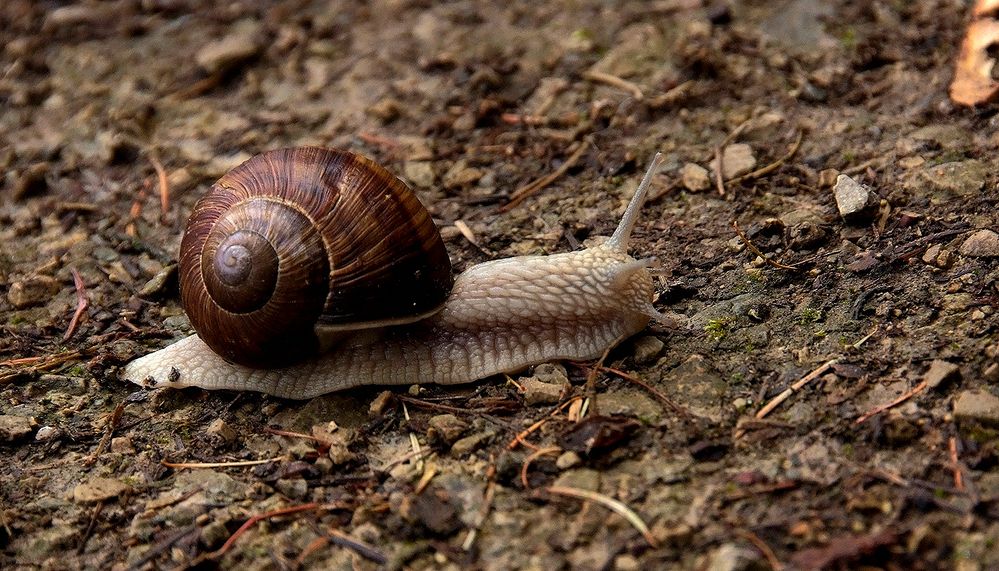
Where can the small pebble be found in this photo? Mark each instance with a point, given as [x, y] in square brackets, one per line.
[551, 373]
[981, 244]
[323, 464]
[14, 427]
[213, 534]
[582, 478]
[647, 348]
[446, 428]
[472, 442]
[122, 445]
[160, 284]
[294, 488]
[977, 405]
[220, 429]
[568, 460]
[241, 43]
[931, 253]
[380, 403]
[537, 392]
[35, 290]
[420, 173]
[852, 198]
[97, 490]
[461, 175]
[827, 178]
[941, 372]
[737, 160]
[695, 177]
[46, 433]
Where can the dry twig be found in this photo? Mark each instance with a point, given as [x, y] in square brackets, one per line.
[765, 549]
[81, 304]
[254, 520]
[527, 190]
[610, 503]
[955, 464]
[164, 186]
[614, 81]
[519, 438]
[652, 390]
[879, 409]
[487, 502]
[239, 464]
[719, 166]
[752, 248]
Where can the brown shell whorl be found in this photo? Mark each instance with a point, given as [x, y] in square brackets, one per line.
[296, 238]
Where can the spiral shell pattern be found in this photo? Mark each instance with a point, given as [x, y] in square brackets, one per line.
[296, 241]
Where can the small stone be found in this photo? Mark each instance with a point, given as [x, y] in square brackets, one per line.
[990, 374]
[98, 490]
[386, 109]
[213, 534]
[46, 433]
[941, 372]
[909, 163]
[220, 430]
[31, 182]
[294, 488]
[731, 557]
[852, 198]
[446, 428]
[981, 244]
[472, 442]
[695, 177]
[581, 478]
[568, 460]
[944, 259]
[647, 348]
[122, 445]
[955, 179]
[14, 427]
[323, 464]
[537, 392]
[420, 173]
[433, 509]
[551, 373]
[626, 562]
[35, 290]
[325, 431]
[931, 253]
[827, 178]
[977, 406]
[737, 160]
[460, 175]
[380, 403]
[240, 44]
[160, 284]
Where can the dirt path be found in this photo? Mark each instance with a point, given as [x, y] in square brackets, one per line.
[885, 456]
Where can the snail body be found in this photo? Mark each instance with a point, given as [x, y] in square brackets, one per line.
[499, 316]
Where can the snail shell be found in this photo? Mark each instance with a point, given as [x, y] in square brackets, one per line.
[296, 246]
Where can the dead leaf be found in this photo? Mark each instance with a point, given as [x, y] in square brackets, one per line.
[973, 83]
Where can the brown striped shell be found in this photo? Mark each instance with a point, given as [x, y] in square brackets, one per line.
[296, 244]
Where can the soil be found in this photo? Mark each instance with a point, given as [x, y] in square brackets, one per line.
[884, 455]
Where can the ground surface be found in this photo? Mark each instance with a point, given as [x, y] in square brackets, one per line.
[469, 102]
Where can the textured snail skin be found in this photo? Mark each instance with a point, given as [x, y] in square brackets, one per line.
[501, 316]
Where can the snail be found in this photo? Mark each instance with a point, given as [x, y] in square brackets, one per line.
[310, 270]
